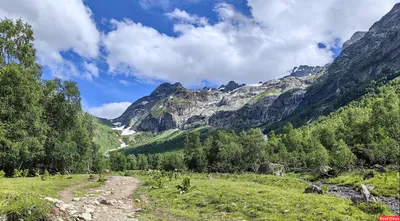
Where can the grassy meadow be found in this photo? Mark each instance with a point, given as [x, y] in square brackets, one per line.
[20, 197]
[244, 197]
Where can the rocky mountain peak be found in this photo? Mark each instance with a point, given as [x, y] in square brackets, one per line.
[230, 86]
[356, 37]
[305, 70]
[165, 89]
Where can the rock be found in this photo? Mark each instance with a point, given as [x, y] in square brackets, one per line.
[132, 219]
[366, 195]
[356, 37]
[76, 199]
[95, 202]
[313, 189]
[73, 212]
[3, 218]
[272, 169]
[286, 211]
[90, 210]
[59, 219]
[85, 216]
[108, 202]
[379, 168]
[325, 170]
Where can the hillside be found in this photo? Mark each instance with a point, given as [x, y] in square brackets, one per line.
[105, 137]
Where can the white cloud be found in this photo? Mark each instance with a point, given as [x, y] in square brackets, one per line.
[279, 35]
[184, 17]
[165, 4]
[109, 110]
[124, 82]
[58, 26]
[91, 70]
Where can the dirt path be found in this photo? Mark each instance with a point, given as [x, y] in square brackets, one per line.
[112, 201]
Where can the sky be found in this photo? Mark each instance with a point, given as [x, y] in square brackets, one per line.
[119, 51]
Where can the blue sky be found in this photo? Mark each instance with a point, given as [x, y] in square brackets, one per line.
[119, 51]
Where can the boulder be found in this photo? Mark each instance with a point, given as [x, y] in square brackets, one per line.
[379, 168]
[366, 195]
[313, 189]
[325, 170]
[272, 169]
[85, 216]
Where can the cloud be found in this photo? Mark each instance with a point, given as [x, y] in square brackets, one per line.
[59, 26]
[279, 35]
[109, 110]
[91, 70]
[124, 82]
[164, 4]
[184, 17]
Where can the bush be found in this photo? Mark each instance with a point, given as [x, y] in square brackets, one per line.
[17, 173]
[25, 173]
[184, 188]
[2, 173]
[45, 175]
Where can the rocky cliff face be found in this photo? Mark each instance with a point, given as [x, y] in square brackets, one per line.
[231, 106]
[375, 56]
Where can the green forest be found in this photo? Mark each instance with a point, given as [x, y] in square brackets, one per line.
[42, 125]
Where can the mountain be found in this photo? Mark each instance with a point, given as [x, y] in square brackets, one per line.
[306, 93]
[373, 58]
[172, 106]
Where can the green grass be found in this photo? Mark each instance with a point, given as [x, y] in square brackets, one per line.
[246, 197]
[20, 197]
[265, 93]
[385, 184]
[105, 137]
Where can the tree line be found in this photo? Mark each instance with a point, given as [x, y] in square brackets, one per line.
[362, 134]
[42, 125]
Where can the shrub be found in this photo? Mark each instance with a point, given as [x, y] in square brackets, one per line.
[2, 173]
[184, 188]
[17, 173]
[25, 173]
[45, 175]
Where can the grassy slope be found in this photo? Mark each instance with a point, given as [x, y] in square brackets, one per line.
[20, 195]
[105, 136]
[170, 140]
[245, 197]
[385, 184]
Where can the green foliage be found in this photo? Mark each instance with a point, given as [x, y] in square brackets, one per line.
[41, 121]
[131, 162]
[173, 161]
[195, 159]
[117, 161]
[2, 173]
[185, 186]
[45, 175]
[143, 163]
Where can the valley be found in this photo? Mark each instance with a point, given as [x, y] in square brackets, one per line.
[318, 143]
